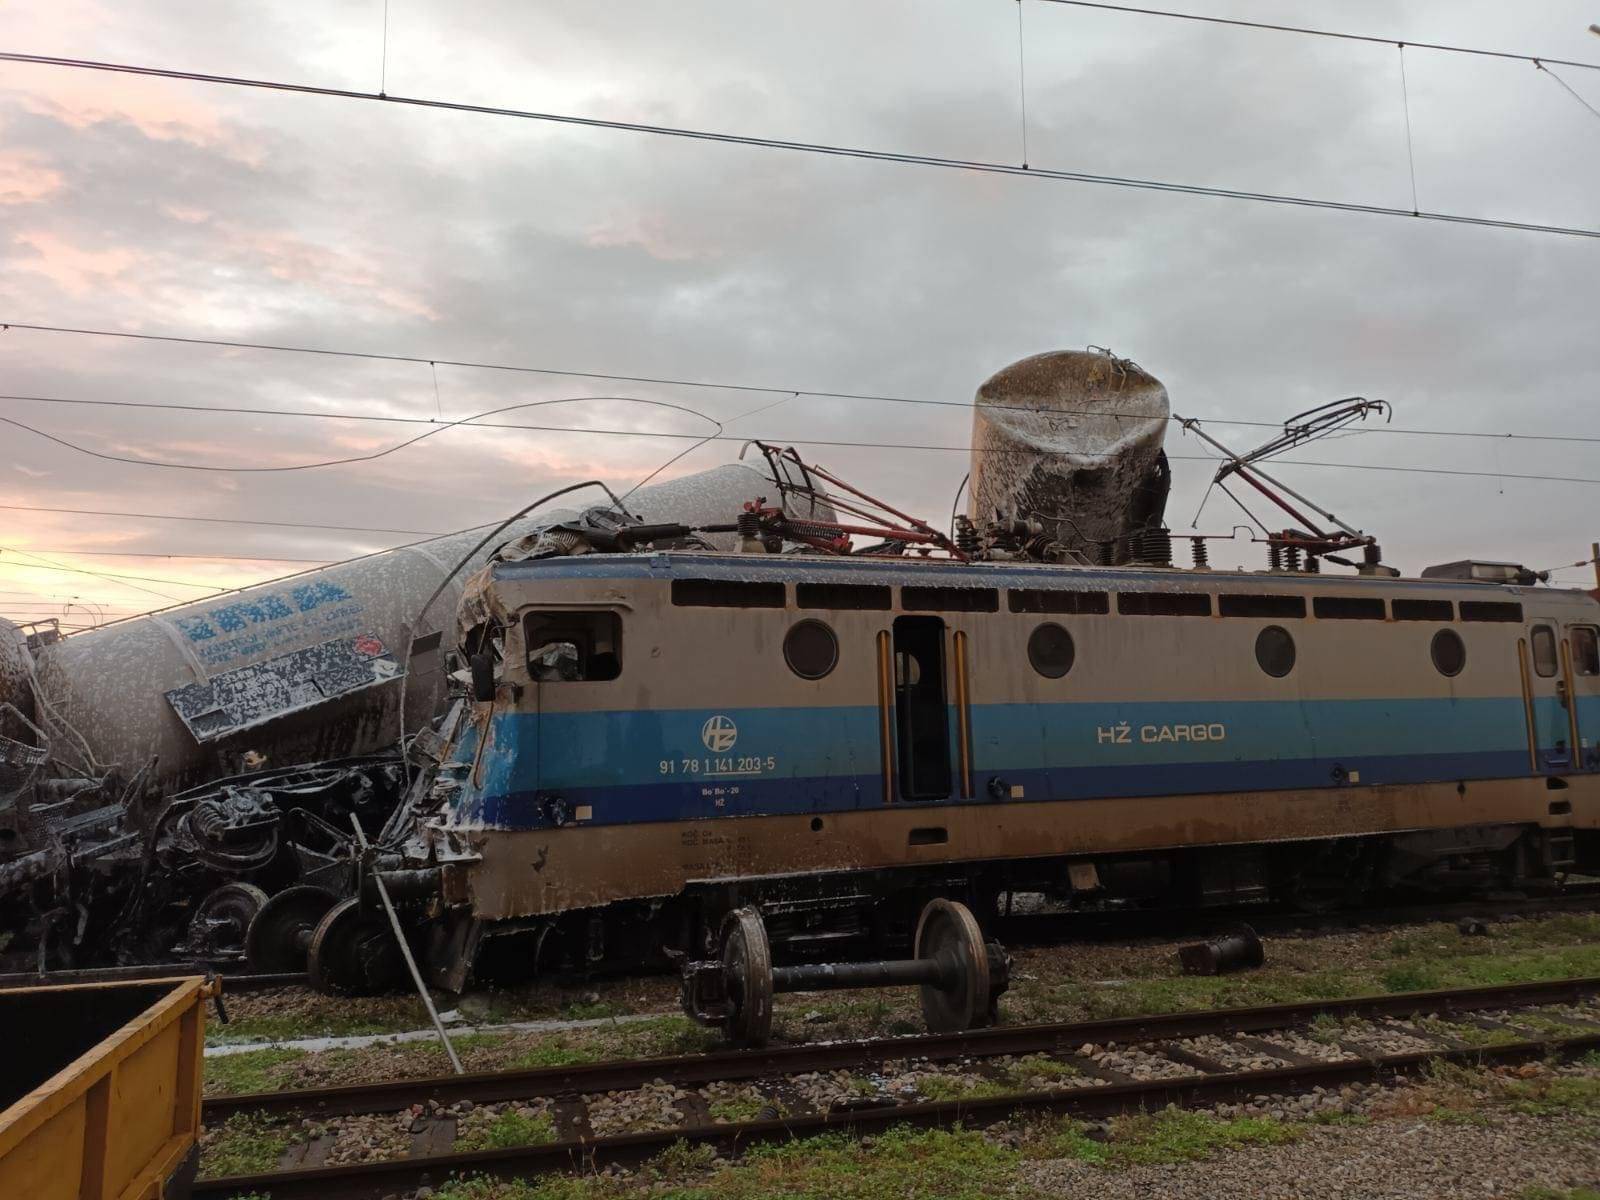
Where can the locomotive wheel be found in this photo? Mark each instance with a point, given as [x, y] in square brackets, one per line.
[223, 917]
[353, 954]
[747, 963]
[948, 932]
[280, 936]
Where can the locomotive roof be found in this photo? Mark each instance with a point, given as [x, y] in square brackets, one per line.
[951, 572]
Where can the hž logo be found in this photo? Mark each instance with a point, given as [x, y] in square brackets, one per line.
[719, 733]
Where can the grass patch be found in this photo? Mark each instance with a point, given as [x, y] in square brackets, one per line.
[1472, 1035]
[1027, 1072]
[589, 1187]
[276, 1027]
[955, 1087]
[244, 1145]
[1550, 1024]
[509, 1129]
[553, 1054]
[1171, 1136]
[1554, 1095]
[1457, 969]
[1135, 997]
[1419, 959]
[925, 1164]
[660, 1037]
[250, 1071]
[733, 1109]
[1545, 1193]
[901, 1164]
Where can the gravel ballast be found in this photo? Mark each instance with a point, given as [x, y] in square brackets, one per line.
[1400, 1159]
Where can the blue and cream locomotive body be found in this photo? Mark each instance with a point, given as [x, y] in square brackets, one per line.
[659, 737]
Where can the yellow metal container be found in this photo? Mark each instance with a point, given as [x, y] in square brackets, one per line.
[100, 1089]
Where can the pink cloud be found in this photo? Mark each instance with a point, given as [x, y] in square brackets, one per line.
[25, 179]
[76, 269]
[649, 232]
[160, 109]
[187, 214]
[292, 259]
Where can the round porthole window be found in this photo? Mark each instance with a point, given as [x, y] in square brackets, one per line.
[1050, 650]
[810, 649]
[1449, 654]
[1275, 651]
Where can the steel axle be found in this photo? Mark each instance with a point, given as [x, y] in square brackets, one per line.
[960, 977]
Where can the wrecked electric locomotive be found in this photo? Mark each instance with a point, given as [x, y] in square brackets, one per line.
[656, 744]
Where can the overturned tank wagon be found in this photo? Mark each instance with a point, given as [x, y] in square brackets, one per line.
[1072, 439]
[297, 670]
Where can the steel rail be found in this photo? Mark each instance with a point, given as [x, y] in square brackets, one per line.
[372, 1181]
[588, 1078]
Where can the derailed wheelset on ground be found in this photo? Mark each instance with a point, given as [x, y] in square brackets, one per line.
[961, 978]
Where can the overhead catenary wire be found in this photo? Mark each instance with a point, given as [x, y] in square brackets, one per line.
[1570, 90]
[861, 444]
[834, 150]
[47, 565]
[1323, 33]
[277, 558]
[658, 380]
[1022, 84]
[349, 459]
[1405, 104]
[144, 516]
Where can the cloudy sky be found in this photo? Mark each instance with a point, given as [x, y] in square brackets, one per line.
[179, 208]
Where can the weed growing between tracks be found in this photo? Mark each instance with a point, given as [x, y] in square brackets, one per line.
[509, 1128]
[245, 1145]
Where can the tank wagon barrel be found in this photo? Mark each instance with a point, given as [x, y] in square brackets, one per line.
[300, 669]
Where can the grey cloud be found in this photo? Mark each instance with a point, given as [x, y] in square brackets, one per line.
[619, 252]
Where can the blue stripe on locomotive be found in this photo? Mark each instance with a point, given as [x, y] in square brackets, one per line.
[634, 766]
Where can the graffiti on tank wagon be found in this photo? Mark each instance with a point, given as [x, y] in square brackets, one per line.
[248, 628]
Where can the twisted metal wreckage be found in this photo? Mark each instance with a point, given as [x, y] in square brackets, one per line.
[163, 778]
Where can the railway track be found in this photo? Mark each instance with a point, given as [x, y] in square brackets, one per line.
[1188, 1059]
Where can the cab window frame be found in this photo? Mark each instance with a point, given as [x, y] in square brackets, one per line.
[1585, 640]
[596, 634]
[1542, 650]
